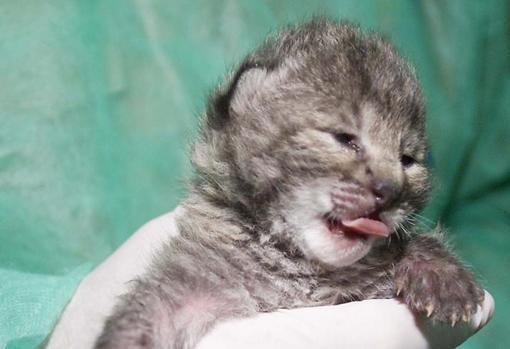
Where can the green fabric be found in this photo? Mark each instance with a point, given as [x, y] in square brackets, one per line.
[99, 100]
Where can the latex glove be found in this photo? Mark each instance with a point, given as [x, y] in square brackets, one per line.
[381, 323]
[377, 323]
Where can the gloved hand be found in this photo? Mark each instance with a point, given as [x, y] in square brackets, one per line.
[379, 323]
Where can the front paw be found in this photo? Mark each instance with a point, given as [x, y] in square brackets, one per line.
[445, 292]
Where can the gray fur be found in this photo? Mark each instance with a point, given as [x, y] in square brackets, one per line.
[272, 142]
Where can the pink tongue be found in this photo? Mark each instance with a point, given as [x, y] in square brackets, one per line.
[368, 226]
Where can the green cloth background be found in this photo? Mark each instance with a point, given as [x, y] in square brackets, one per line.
[100, 99]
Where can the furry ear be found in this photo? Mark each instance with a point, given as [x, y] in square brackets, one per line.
[220, 102]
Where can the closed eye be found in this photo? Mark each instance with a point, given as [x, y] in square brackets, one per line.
[347, 139]
[407, 160]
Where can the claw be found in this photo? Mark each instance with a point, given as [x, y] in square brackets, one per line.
[429, 308]
[399, 290]
[454, 319]
[465, 317]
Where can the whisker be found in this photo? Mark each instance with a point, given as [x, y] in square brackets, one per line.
[425, 219]
[423, 222]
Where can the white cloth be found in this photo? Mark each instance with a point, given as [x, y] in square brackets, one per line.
[367, 324]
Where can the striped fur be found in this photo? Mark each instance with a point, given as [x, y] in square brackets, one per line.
[270, 162]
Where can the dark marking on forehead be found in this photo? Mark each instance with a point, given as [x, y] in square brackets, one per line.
[320, 76]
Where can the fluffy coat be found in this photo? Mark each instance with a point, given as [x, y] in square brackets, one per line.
[320, 125]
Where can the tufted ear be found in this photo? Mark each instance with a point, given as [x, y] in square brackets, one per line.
[220, 102]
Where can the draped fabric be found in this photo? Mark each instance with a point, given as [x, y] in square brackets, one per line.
[99, 101]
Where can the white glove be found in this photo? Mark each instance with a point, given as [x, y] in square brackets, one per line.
[379, 323]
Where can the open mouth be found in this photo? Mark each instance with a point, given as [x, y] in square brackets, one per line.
[361, 227]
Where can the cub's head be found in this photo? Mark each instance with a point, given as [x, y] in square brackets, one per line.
[322, 130]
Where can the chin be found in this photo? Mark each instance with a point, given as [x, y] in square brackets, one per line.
[333, 249]
[306, 216]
